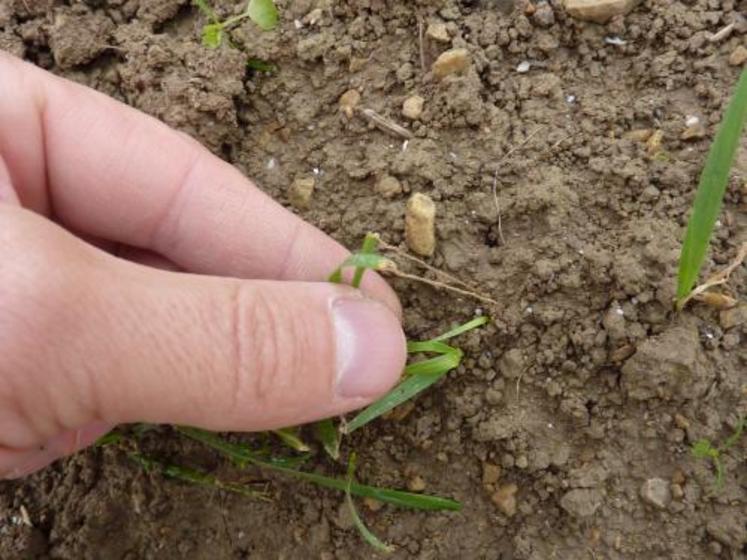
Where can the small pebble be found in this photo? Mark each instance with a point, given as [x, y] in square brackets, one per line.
[454, 61]
[388, 186]
[544, 15]
[438, 32]
[505, 499]
[694, 132]
[373, 505]
[412, 108]
[598, 11]
[730, 318]
[416, 484]
[739, 56]
[656, 491]
[301, 191]
[420, 224]
[523, 67]
[490, 473]
[348, 101]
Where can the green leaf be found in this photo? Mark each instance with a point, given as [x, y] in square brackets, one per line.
[263, 13]
[289, 436]
[370, 242]
[212, 35]
[365, 532]
[193, 476]
[394, 497]
[112, 438]
[702, 449]
[326, 432]
[461, 329]
[418, 377]
[710, 194]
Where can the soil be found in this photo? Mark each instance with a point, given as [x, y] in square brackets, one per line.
[566, 431]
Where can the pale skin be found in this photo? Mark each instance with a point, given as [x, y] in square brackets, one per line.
[144, 279]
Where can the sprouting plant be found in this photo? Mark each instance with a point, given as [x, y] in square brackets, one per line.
[417, 377]
[262, 12]
[704, 449]
[711, 188]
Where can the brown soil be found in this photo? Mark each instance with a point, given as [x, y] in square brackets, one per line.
[584, 386]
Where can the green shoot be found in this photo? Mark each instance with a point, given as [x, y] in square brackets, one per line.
[241, 455]
[327, 434]
[261, 65]
[262, 12]
[711, 188]
[193, 476]
[365, 532]
[704, 449]
[289, 436]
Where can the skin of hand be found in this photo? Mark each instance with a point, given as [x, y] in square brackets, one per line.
[142, 279]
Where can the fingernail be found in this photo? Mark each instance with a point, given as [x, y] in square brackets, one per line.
[371, 349]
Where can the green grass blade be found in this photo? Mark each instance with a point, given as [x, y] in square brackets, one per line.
[370, 243]
[419, 376]
[289, 437]
[327, 433]
[429, 346]
[372, 261]
[394, 497]
[263, 13]
[261, 65]
[365, 532]
[193, 476]
[733, 438]
[710, 194]
[461, 329]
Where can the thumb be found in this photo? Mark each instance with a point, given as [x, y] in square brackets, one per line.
[87, 338]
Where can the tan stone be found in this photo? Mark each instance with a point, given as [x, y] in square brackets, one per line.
[505, 499]
[412, 108]
[454, 61]
[734, 317]
[598, 11]
[739, 56]
[490, 473]
[694, 132]
[416, 484]
[300, 192]
[348, 101]
[438, 32]
[420, 224]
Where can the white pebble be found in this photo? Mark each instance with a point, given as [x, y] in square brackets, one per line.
[523, 67]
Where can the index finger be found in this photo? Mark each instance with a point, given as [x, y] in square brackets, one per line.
[112, 172]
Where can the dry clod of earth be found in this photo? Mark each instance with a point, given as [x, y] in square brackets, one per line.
[388, 186]
[438, 32]
[505, 499]
[738, 56]
[730, 318]
[598, 11]
[490, 473]
[412, 107]
[582, 502]
[420, 224]
[300, 192]
[657, 492]
[454, 61]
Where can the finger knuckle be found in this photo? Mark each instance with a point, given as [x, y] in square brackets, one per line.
[265, 355]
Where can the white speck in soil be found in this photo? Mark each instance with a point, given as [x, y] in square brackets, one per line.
[616, 41]
[271, 163]
[404, 145]
[691, 120]
[523, 67]
[570, 99]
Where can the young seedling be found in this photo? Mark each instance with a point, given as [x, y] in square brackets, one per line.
[262, 12]
[710, 194]
[417, 377]
[704, 449]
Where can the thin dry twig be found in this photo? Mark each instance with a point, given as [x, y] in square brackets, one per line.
[722, 33]
[385, 124]
[505, 156]
[387, 247]
[436, 284]
[716, 279]
[498, 207]
[421, 45]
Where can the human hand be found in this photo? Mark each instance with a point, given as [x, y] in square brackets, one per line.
[166, 331]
